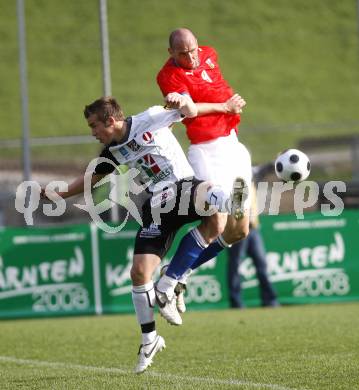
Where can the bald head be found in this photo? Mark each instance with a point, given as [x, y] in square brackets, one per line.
[184, 48]
[181, 35]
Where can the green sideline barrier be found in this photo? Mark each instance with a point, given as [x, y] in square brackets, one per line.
[315, 260]
[82, 270]
[46, 272]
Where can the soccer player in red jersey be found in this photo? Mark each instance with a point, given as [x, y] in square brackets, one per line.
[215, 153]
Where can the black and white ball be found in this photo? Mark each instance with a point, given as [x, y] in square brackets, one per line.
[292, 165]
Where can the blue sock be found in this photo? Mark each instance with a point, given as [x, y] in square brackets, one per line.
[211, 251]
[188, 251]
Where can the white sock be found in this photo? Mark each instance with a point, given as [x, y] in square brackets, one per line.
[148, 338]
[167, 285]
[221, 240]
[183, 279]
[144, 299]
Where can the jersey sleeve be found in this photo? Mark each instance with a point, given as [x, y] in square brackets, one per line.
[163, 117]
[105, 168]
[171, 82]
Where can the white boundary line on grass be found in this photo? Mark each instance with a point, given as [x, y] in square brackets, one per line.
[113, 370]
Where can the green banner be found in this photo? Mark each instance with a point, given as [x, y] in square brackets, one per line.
[309, 261]
[46, 272]
[83, 270]
[116, 252]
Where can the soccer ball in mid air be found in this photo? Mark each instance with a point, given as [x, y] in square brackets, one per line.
[292, 165]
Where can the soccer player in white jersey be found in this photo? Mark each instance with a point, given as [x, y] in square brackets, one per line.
[146, 142]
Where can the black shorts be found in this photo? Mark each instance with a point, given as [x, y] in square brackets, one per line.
[164, 214]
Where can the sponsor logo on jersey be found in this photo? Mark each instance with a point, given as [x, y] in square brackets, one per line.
[162, 197]
[147, 136]
[152, 231]
[122, 150]
[153, 171]
[133, 145]
[162, 175]
[149, 165]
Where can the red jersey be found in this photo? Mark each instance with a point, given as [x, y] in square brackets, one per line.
[204, 84]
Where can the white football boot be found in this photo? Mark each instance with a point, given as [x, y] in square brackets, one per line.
[179, 291]
[168, 308]
[147, 352]
[239, 194]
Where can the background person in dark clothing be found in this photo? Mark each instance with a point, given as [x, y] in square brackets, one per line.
[252, 246]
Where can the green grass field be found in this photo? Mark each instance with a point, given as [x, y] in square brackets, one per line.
[299, 347]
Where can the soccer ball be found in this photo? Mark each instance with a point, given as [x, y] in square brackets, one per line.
[292, 165]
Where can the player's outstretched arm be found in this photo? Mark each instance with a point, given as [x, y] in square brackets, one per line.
[76, 187]
[233, 105]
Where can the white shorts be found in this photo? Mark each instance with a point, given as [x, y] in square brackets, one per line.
[220, 161]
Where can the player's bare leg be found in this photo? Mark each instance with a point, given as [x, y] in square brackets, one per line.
[236, 229]
[212, 226]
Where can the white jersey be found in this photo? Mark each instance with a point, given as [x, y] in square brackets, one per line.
[153, 149]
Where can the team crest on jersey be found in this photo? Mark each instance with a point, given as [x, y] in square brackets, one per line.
[210, 63]
[147, 137]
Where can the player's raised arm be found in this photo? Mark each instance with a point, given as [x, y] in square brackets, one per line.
[233, 105]
[190, 109]
[182, 102]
